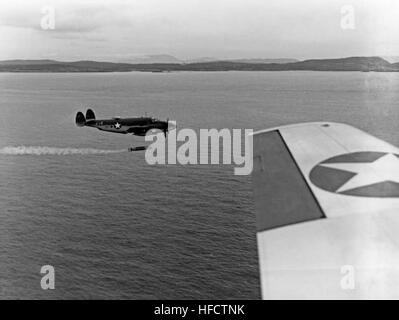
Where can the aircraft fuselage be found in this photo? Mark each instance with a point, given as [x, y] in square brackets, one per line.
[138, 126]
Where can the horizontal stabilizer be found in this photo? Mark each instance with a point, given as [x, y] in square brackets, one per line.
[80, 119]
[90, 115]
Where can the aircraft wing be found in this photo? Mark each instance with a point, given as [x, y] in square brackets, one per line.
[327, 208]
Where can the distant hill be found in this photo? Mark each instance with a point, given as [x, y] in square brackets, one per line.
[201, 59]
[391, 59]
[162, 58]
[159, 58]
[209, 59]
[86, 66]
[343, 64]
[28, 62]
[264, 60]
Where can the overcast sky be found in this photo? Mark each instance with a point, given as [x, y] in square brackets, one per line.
[120, 29]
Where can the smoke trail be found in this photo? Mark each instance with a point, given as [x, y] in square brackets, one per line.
[38, 151]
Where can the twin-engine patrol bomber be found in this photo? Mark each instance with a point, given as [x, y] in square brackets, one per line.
[137, 126]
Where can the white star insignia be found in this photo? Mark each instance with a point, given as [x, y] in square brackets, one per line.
[386, 168]
[117, 125]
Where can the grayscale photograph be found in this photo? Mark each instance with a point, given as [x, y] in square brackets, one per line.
[218, 150]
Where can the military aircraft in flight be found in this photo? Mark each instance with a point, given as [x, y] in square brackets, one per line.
[138, 126]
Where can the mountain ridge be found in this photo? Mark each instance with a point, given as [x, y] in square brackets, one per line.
[340, 64]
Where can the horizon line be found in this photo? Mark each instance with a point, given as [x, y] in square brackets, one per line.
[191, 60]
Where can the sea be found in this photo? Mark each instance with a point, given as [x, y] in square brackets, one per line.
[114, 226]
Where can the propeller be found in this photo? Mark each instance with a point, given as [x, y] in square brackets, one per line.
[166, 129]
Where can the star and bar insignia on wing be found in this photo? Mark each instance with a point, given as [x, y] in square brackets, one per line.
[366, 174]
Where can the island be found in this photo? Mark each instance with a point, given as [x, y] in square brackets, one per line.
[364, 64]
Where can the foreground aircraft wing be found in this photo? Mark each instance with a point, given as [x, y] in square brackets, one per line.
[327, 208]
